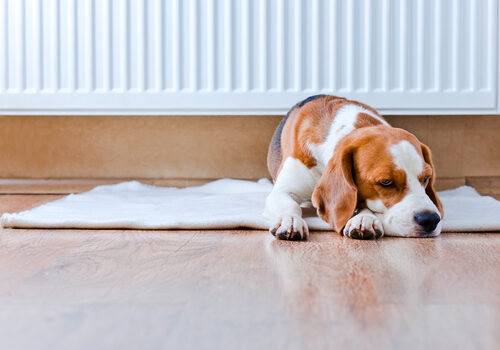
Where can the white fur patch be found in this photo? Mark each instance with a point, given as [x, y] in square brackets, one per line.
[399, 219]
[376, 205]
[342, 125]
[406, 158]
[297, 179]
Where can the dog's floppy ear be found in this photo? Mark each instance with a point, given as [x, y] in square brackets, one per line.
[430, 191]
[335, 196]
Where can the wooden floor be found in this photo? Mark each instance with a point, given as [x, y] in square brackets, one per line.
[87, 289]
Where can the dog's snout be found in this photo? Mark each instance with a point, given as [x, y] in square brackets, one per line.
[427, 220]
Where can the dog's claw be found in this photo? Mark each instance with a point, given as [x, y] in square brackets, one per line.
[363, 226]
[291, 228]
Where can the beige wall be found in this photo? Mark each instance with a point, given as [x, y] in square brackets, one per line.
[205, 147]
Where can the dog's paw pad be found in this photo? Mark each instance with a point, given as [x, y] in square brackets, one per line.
[291, 228]
[363, 226]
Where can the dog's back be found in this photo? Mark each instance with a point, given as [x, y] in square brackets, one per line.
[319, 103]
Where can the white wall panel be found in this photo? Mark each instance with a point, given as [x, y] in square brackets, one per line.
[246, 56]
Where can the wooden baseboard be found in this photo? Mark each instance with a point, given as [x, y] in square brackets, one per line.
[485, 185]
[449, 183]
[207, 147]
[65, 186]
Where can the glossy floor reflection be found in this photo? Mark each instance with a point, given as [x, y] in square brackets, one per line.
[80, 289]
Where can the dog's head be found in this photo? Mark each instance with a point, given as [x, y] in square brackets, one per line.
[386, 170]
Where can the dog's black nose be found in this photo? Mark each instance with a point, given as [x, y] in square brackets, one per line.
[427, 220]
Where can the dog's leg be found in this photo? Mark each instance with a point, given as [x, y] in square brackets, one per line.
[285, 216]
[364, 225]
[294, 185]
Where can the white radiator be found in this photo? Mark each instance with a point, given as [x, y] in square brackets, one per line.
[246, 56]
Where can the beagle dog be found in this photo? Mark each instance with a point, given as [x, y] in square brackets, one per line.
[364, 177]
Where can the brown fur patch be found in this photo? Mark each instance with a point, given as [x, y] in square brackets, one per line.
[336, 195]
[431, 192]
[365, 120]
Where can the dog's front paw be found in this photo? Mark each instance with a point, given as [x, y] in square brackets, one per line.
[292, 228]
[364, 226]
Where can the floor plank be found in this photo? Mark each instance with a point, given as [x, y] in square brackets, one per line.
[80, 289]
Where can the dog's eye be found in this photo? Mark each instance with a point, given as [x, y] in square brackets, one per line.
[385, 183]
[425, 180]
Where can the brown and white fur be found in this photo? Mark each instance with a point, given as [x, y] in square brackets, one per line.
[364, 177]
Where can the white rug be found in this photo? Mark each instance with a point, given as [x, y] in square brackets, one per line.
[220, 204]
